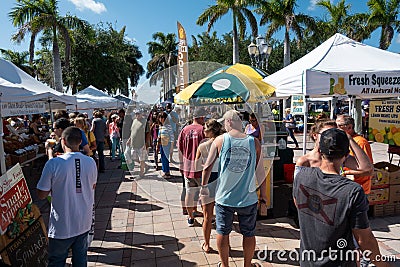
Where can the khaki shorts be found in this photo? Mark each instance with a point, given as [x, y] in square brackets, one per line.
[139, 153]
[192, 185]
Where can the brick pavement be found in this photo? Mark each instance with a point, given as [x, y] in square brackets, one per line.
[139, 222]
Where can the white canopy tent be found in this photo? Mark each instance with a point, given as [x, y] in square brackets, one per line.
[92, 98]
[340, 66]
[18, 90]
[124, 99]
[17, 86]
[362, 70]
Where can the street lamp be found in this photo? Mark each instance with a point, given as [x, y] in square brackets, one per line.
[259, 53]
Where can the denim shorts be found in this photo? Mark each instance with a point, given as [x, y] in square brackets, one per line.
[247, 219]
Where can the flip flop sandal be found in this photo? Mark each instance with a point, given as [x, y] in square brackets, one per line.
[209, 250]
[255, 264]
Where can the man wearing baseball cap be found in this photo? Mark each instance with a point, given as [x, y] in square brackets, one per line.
[332, 209]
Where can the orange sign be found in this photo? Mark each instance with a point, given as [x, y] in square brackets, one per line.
[183, 68]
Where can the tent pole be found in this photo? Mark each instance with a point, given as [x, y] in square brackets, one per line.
[51, 113]
[333, 106]
[305, 125]
[2, 154]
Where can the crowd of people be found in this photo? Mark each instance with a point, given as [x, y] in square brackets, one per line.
[221, 165]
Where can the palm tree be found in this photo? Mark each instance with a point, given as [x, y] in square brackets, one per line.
[36, 16]
[164, 53]
[19, 59]
[384, 15]
[338, 20]
[239, 15]
[337, 15]
[280, 13]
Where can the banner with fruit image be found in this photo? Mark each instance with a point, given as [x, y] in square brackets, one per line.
[384, 122]
[362, 84]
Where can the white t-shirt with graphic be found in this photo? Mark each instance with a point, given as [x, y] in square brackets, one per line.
[70, 178]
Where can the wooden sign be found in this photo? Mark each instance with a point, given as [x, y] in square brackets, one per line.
[14, 194]
[30, 248]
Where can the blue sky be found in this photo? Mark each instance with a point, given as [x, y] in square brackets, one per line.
[142, 18]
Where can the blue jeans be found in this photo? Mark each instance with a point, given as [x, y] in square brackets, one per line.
[291, 134]
[100, 151]
[164, 160]
[58, 251]
[114, 146]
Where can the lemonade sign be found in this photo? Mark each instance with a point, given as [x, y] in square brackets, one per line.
[384, 122]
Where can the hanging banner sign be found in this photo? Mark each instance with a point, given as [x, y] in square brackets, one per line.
[14, 194]
[384, 122]
[363, 84]
[183, 68]
[22, 108]
[297, 105]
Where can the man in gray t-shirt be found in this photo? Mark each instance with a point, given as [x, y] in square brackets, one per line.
[136, 141]
[332, 209]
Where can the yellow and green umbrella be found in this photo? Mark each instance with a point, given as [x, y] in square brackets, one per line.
[231, 84]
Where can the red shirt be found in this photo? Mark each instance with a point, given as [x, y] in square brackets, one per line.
[188, 142]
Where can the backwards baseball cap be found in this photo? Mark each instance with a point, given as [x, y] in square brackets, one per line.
[199, 112]
[334, 142]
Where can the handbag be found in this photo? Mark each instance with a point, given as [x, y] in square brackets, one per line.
[291, 125]
[93, 156]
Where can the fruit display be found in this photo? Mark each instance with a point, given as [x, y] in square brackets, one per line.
[389, 135]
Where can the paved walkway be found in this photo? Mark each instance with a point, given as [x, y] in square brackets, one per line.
[139, 222]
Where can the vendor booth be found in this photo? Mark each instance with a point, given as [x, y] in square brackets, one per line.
[341, 66]
[92, 98]
[21, 94]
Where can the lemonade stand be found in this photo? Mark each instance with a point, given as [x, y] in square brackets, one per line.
[340, 66]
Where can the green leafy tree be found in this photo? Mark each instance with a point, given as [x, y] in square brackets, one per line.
[240, 15]
[280, 14]
[208, 47]
[164, 54]
[36, 16]
[20, 59]
[339, 20]
[384, 15]
[104, 58]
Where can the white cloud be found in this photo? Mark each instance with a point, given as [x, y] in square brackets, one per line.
[398, 39]
[92, 5]
[312, 4]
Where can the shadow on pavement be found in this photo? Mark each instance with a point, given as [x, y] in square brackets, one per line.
[143, 249]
